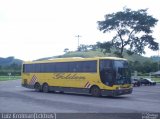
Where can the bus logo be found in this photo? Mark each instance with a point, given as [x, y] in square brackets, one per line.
[68, 76]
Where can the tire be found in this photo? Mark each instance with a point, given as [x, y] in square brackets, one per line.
[37, 87]
[95, 91]
[61, 92]
[45, 88]
[138, 84]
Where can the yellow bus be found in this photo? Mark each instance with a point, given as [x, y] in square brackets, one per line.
[97, 76]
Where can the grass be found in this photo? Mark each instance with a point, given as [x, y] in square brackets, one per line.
[157, 79]
[98, 53]
[5, 78]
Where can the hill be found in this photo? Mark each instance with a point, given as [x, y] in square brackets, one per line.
[10, 65]
[98, 53]
[9, 60]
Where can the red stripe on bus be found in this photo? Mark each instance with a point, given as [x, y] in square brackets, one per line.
[89, 86]
[33, 80]
[86, 84]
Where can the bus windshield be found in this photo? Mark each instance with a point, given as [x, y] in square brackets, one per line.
[114, 72]
[122, 72]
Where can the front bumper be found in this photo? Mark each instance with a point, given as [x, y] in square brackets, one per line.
[116, 92]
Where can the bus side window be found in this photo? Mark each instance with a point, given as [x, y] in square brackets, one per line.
[62, 67]
[75, 67]
[24, 68]
[90, 66]
[27, 68]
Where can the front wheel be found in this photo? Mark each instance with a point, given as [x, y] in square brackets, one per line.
[95, 91]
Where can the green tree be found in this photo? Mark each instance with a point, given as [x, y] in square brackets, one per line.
[132, 30]
[105, 47]
[150, 67]
[93, 47]
[66, 50]
[83, 48]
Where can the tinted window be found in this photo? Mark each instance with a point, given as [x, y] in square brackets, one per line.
[90, 66]
[74, 67]
[85, 66]
[61, 67]
[82, 66]
[106, 64]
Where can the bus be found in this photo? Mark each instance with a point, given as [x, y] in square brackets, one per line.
[108, 76]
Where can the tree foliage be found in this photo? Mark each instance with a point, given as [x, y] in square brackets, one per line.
[13, 68]
[105, 47]
[132, 30]
[83, 48]
[66, 50]
[145, 67]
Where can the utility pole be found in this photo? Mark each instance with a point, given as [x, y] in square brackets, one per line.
[78, 36]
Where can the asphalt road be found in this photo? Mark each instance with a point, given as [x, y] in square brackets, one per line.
[14, 98]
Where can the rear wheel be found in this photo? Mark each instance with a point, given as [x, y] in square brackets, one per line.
[95, 91]
[37, 87]
[45, 88]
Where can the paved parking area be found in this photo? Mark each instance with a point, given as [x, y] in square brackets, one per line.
[14, 98]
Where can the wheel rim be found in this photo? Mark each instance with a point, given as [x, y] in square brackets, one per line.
[45, 88]
[37, 87]
[95, 91]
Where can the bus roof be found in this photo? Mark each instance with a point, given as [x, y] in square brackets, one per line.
[70, 59]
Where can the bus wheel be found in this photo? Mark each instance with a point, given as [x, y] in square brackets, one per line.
[37, 87]
[45, 88]
[95, 91]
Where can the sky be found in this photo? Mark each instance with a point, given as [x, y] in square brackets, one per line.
[33, 29]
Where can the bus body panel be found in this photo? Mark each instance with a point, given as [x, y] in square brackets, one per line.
[73, 81]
